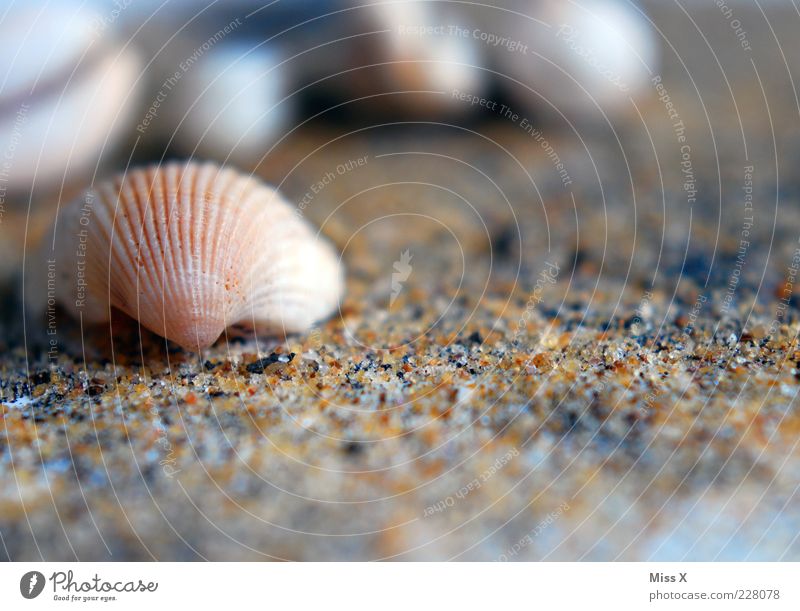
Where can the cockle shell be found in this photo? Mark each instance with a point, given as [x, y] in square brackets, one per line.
[189, 249]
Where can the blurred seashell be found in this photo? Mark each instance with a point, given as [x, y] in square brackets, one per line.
[577, 55]
[232, 104]
[67, 96]
[408, 65]
[423, 55]
[189, 249]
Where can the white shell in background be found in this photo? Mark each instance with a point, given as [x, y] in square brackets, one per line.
[400, 56]
[189, 249]
[66, 95]
[231, 104]
[429, 60]
[583, 54]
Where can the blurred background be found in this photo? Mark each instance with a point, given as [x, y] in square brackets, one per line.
[586, 95]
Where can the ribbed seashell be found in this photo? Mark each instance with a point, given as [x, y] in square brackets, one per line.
[189, 249]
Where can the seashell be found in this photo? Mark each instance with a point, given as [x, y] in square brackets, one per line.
[67, 94]
[424, 56]
[577, 55]
[189, 249]
[408, 67]
[232, 104]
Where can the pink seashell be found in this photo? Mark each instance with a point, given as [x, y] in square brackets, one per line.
[189, 249]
